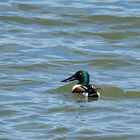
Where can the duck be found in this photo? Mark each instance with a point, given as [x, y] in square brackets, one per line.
[83, 86]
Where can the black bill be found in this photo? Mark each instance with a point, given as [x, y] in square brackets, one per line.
[72, 78]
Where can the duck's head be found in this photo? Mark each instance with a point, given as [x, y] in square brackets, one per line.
[81, 76]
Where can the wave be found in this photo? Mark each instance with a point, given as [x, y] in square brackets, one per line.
[108, 92]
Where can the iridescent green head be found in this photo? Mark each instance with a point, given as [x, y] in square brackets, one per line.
[81, 76]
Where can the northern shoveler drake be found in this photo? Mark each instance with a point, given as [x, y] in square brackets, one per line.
[83, 86]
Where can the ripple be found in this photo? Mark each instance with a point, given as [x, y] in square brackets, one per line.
[34, 21]
[28, 7]
[59, 130]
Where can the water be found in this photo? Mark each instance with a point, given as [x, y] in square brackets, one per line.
[43, 42]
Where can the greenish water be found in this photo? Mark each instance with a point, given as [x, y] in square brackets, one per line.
[43, 42]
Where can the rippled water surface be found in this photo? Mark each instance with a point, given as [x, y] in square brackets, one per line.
[43, 42]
